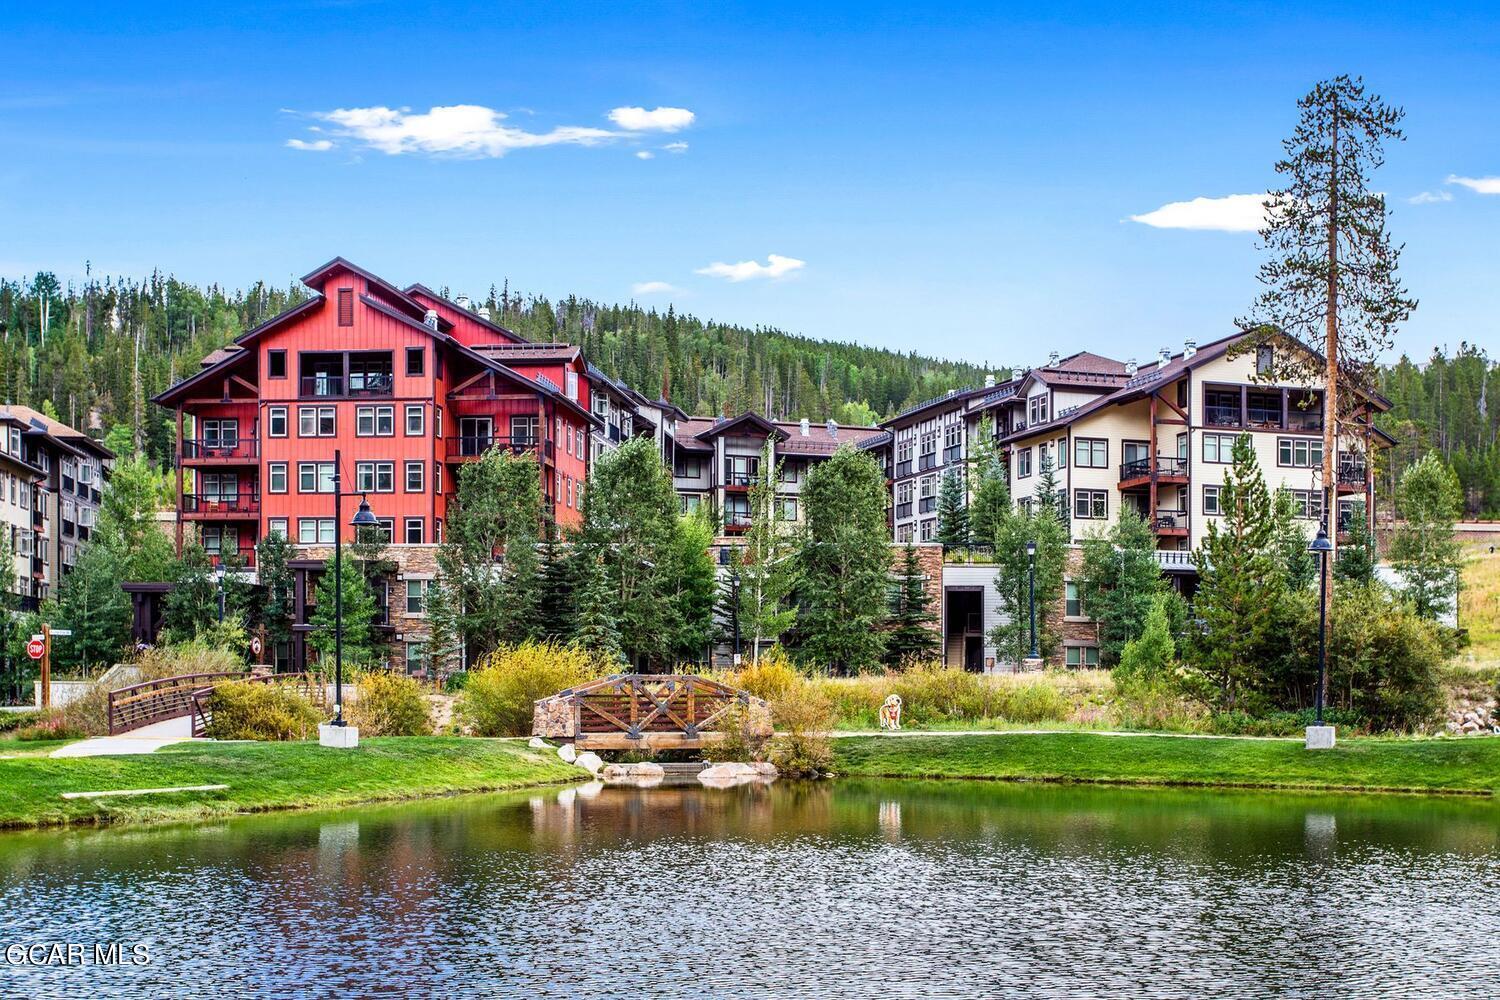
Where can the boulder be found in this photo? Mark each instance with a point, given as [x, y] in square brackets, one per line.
[643, 775]
[732, 769]
[537, 743]
[590, 762]
[567, 753]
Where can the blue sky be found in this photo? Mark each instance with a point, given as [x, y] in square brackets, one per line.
[958, 180]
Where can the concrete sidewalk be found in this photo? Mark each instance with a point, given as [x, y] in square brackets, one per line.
[147, 739]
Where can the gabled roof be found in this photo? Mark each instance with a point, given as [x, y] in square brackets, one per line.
[534, 353]
[697, 434]
[949, 398]
[318, 277]
[749, 421]
[70, 438]
[420, 291]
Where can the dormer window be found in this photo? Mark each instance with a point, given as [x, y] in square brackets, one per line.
[346, 307]
[1263, 360]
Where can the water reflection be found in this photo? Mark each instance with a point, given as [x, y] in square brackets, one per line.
[834, 889]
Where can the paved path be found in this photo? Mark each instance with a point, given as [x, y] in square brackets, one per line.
[147, 739]
[847, 733]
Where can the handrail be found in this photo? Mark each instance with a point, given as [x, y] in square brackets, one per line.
[1166, 465]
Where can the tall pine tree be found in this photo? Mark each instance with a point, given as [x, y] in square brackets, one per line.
[913, 635]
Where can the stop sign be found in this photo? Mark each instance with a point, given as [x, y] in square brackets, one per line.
[35, 648]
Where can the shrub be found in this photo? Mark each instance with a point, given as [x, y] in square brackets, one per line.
[51, 726]
[11, 721]
[1150, 656]
[1155, 704]
[88, 714]
[456, 681]
[390, 704]
[741, 740]
[801, 746]
[1031, 701]
[772, 678]
[498, 698]
[244, 711]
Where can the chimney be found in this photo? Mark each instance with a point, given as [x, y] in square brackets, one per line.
[833, 428]
[1164, 358]
[1189, 349]
[1130, 367]
[431, 319]
[805, 427]
[1016, 374]
[1051, 359]
[465, 303]
[989, 380]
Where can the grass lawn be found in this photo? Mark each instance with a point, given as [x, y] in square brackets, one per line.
[1439, 765]
[1479, 607]
[30, 748]
[265, 776]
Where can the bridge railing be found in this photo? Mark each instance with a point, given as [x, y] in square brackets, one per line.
[310, 685]
[164, 698]
[640, 710]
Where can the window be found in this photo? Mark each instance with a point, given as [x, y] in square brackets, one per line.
[903, 533]
[315, 531]
[903, 457]
[1023, 463]
[1091, 453]
[219, 487]
[1182, 447]
[314, 477]
[216, 434]
[1221, 408]
[1299, 453]
[416, 657]
[277, 524]
[316, 421]
[416, 597]
[790, 472]
[1211, 500]
[927, 495]
[788, 508]
[1091, 504]
[1308, 504]
[523, 430]
[346, 307]
[375, 421]
[276, 477]
[385, 528]
[1062, 453]
[414, 531]
[1073, 607]
[688, 467]
[1264, 358]
[415, 420]
[929, 529]
[928, 457]
[903, 499]
[415, 476]
[276, 421]
[688, 503]
[416, 361]
[1082, 656]
[1036, 409]
[953, 442]
[375, 477]
[276, 364]
[1218, 448]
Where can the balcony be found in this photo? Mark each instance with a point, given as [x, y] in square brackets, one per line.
[1176, 560]
[1170, 523]
[217, 507]
[1221, 416]
[220, 451]
[1169, 469]
[356, 375]
[38, 568]
[739, 480]
[1351, 478]
[244, 554]
[736, 522]
[469, 447]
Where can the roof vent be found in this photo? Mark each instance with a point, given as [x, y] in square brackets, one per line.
[1164, 358]
[805, 427]
[833, 428]
[1051, 359]
[431, 319]
[1015, 374]
[989, 380]
[1131, 367]
[465, 303]
[1189, 348]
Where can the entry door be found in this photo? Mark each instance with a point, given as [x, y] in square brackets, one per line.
[474, 435]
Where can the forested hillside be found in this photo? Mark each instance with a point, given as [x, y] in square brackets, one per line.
[95, 352]
[100, 349]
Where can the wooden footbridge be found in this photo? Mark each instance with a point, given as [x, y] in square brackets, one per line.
[148, 702]
[646, 712]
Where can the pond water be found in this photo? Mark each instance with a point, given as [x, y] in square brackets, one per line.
[839, 889]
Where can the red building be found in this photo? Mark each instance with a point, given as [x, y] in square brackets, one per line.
[406, 387]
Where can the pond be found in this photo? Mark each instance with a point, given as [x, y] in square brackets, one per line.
[838, 889]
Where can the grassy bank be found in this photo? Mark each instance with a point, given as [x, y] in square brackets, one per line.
[1469, 765]
[265, 776]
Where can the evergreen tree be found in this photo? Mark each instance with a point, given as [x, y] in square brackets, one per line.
[1049, 495]
[91, 603]
[1038, 523]
[953, 513]
[362, 647]
[1120, 581]
[127, 521]
[1356, 558]
[1290, 542]
[693, 586]
[991, 501]
[277, 588]
[1240, 587]
[1424, 550]
[913, 635]
[194, 600]
[843, 564]
[767, 570]
[727, 608]
[555, 588]
[598, 628]
[1149, 657]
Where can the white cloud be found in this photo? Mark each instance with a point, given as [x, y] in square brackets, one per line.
[1234, 213]
[653, 288]
[657, 120]
[775, 267]
[644, 154]
[676, 147]
[458, 130]
[316, 146]
[1430, 197]
[1479, 185]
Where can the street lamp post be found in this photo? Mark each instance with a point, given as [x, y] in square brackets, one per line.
[1319, 736]
[1031, 583]
[363, 518]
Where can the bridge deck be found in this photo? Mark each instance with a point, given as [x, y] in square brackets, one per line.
[646, 712]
